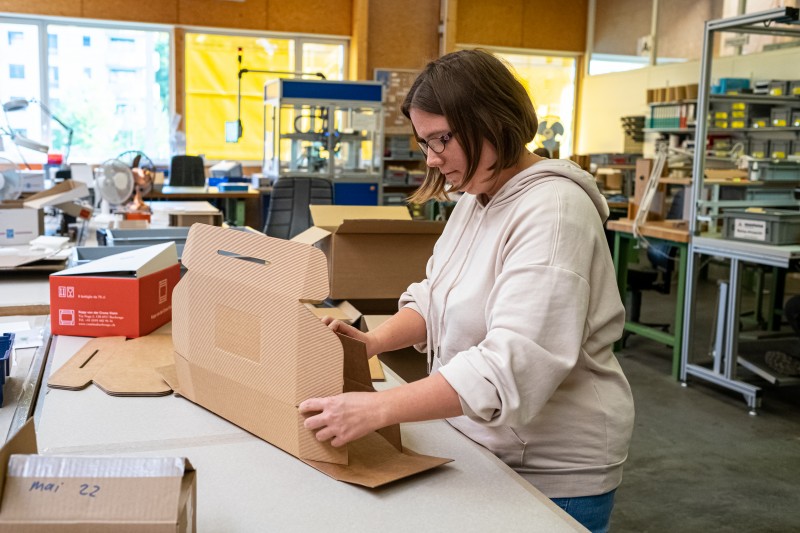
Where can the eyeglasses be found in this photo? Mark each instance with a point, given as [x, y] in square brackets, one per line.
[437, 145]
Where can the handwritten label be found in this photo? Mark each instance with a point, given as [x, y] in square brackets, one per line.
[89, 490]
[44, 487]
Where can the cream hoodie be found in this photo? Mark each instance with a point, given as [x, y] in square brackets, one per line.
[522, 308]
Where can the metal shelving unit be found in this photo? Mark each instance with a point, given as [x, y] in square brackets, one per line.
[723, 371]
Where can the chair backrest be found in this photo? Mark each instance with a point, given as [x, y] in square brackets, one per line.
[187, 171]
[662, 255]
[288, 212]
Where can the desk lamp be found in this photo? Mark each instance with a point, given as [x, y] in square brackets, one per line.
[20, 140]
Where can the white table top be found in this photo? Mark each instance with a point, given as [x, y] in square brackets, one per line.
[246, 484]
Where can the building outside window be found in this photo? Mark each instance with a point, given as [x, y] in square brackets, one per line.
[16, 72]
[91, 70]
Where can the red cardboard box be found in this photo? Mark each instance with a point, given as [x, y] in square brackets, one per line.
[126, 294]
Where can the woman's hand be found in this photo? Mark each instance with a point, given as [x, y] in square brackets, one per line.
[343, 418]
[345, 329]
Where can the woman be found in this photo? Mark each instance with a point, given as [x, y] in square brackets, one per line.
[520, 306]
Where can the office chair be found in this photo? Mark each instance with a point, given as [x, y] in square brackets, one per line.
[288, 212]
[657, 276]
[187, 171]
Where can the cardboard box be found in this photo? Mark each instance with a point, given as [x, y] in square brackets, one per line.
[19, 224]
[77, 494]
[65, 192]
[126, 294]
[373, 252]
[249, 350]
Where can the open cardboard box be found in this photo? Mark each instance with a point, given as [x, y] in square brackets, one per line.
[372, 251]
[79, 494]
[126, 294]
[63, 196]
[249, 350]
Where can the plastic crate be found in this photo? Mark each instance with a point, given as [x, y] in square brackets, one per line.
[765, 226]
[84, 254]
[146, 237]
[6, 352]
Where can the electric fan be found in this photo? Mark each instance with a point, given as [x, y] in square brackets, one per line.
[550, 132]
[114, 183]
[10, 181]
[144, 173]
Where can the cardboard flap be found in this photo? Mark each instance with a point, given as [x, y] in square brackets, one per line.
[375, 462]
[63, 192]
[257, 259]
[404, 227]
[118, 367]
[142, 262]
[331, 217]
[23, 442]
[311, 236]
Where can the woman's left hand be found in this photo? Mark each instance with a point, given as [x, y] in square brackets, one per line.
[343, 418]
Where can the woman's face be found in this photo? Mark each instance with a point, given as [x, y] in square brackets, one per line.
[452, 162]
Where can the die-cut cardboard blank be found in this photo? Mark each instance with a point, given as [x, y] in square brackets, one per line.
[118, 367]
[248, 349]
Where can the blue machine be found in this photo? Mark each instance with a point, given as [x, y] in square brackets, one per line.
[326, 129]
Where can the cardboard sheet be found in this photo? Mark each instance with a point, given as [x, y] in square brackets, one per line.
[117, 366]
[247, 349]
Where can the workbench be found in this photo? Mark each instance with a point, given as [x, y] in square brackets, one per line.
[246, 484]
[624, 243]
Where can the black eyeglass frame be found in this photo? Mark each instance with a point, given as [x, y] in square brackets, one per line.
[444, 139]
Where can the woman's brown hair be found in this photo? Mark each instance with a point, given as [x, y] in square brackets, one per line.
[481, 99]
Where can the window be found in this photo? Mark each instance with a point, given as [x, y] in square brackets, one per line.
[19, 80]
[53, 79]
[14, 38]
[550, 81]
[211, 68]
[127, 67]
[52, 43]
[16, 72]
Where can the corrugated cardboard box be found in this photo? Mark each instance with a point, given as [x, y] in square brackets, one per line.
[373, 252]
[80, 494]
[126, 294]
[249, 350]
[19, 224]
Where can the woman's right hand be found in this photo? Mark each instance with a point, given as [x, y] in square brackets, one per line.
[345, 329]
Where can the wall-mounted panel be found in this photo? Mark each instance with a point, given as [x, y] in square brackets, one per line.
[546, 28]
[157, 11]
[402, 34]
[247, 15]
[490, 22]
[328, 17]
[56, 8]
[619, 23]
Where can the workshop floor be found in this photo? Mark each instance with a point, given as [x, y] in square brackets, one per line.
[698, 461]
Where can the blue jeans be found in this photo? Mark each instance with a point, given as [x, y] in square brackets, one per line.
[593, 512]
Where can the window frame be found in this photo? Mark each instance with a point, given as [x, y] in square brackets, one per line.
[41, 22]
[299, 40]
